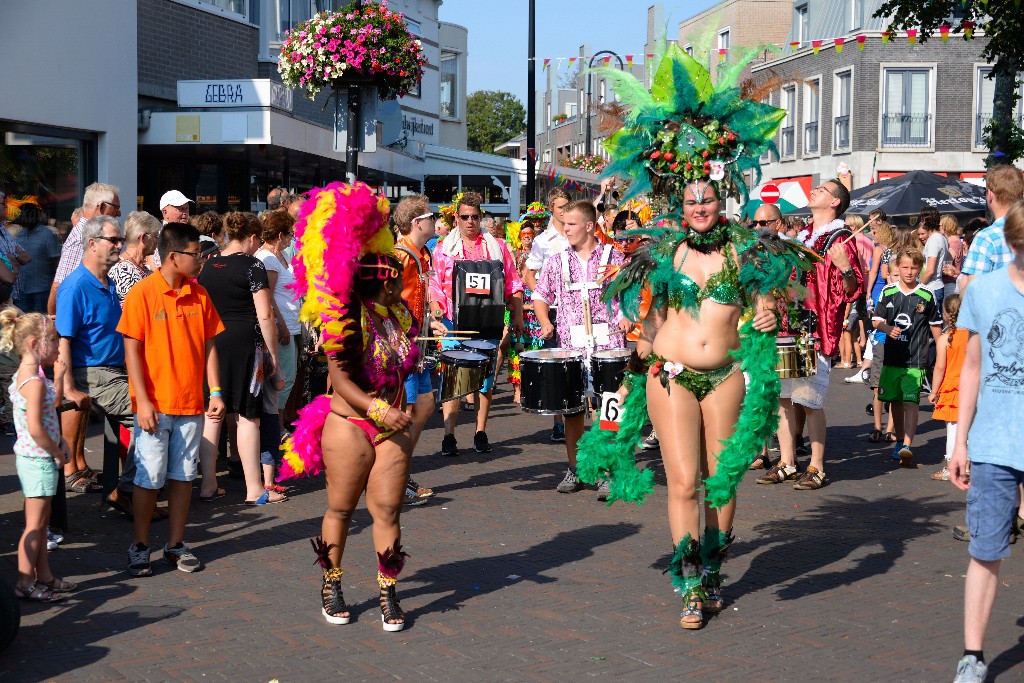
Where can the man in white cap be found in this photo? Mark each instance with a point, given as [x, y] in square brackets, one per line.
[175, 207]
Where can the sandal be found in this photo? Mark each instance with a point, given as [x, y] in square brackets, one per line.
[79, 482]
[876, 436]
[276, 488]
[219, 493]
[58, 585]
[390, 610]
[890, 437]
[37, 593]
[760, 463]
[692, 617]
[777, 474]
[334, 609]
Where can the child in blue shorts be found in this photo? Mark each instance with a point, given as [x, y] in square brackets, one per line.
[990, 432]
[39, 451]
[907, 314]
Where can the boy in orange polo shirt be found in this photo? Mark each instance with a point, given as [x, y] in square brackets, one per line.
[169, 316]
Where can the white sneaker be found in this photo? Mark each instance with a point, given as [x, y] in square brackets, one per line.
[859, 377]
[970, 670]
[651, 443]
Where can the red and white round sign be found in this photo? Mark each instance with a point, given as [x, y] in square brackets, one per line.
[770, 193]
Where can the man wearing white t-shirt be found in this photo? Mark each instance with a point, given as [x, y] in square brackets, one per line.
[936, 250]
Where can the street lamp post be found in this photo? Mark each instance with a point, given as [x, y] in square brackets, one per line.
[590, 84]
[531, 105]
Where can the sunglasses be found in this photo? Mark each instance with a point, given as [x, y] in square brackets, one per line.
[470, 218]
[765, 224]
[116, 241]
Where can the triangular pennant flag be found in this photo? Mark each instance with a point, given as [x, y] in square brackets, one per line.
[572, 60]
[968, 27]
[629, 61]
[721, 53]
[944, 32]
[649, 55]
[607, 59]
[839, 45]
[795, 45]
[816, 45]
[912, 36]
[860, 42]
[985, 3]
[546, 63]
[886, 35]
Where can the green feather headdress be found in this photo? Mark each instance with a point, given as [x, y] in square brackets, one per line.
[686, 129]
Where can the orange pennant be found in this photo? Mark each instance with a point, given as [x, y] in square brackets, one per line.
[795, 45]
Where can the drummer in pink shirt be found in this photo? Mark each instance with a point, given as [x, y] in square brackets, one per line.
[468, 242]
[565, 278]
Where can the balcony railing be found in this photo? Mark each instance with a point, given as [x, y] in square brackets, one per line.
[981, 120]
[906, 130]
[787, 148]
[842, 138]
[811, 137]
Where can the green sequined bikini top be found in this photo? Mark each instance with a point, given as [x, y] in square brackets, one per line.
[723, 287]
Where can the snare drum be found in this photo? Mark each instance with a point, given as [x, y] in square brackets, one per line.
[484, 348]
[462, 373]
[607, 368]
[798, 357]
[554, 381]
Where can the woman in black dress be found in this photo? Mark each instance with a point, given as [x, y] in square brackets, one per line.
[237, 283]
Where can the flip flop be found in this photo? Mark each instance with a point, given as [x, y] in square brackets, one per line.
[265, 499]
[216, 495]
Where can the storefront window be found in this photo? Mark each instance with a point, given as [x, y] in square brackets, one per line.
[51, 165]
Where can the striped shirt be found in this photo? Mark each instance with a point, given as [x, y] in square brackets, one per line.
[70, 253]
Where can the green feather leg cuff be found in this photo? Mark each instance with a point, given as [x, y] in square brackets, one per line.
[759, 416]
[603, 454]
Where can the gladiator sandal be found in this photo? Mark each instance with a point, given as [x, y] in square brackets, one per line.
[389, 566]
[714, 546]
[685, 570]
[334, 609]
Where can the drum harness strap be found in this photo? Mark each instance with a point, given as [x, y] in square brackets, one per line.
[584, 288]
[425, 317]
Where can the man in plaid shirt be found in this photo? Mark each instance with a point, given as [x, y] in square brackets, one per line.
[989, 251]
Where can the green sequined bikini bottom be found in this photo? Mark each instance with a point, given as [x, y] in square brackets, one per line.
[698, 383]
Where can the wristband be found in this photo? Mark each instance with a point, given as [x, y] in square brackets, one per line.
[213, 389]
[215, 393]
[377, 410]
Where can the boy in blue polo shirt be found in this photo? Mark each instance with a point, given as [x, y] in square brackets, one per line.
[907, 314]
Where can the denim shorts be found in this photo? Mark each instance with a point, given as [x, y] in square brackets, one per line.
[991, 506]
[417, 384]
[38, 476]
[172, 452]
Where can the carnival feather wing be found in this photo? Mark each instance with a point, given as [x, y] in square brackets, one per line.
[767, 261]
[629, 280]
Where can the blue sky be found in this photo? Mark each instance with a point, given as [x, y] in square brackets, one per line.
[498, 38]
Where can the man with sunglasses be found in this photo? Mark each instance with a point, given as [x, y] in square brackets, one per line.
[831, 284]
[769, 217]
[91, 348]
[467, 242]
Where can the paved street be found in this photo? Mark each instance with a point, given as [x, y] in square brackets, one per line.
[508, 580]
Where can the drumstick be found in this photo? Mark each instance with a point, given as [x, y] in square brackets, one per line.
[450, 338]
[860, 229]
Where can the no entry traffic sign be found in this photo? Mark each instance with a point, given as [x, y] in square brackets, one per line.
[770, 194]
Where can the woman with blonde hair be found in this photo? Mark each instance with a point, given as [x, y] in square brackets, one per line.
[950, 227]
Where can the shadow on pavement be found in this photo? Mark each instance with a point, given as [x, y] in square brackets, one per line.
[465, 580]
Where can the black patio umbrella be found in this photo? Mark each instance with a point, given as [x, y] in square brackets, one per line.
[907, 194]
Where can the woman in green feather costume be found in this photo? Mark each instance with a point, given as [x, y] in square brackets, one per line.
[712, 318]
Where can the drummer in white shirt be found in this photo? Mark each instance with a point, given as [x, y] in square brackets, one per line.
[547, 242]
[566, 278]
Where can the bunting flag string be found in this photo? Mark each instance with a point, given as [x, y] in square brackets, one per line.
[816, 45]
[839, 45]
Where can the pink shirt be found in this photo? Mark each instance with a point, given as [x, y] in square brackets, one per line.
[444, 266]
[865, 251]
[551, 287]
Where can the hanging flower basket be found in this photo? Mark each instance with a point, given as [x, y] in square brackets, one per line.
[370, 45]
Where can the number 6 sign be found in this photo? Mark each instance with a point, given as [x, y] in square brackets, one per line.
[611, 411]
[478, 283]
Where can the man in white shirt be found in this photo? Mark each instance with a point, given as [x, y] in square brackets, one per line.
[549, 242]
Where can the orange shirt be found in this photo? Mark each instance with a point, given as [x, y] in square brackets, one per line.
[173, 328]
[414, 288]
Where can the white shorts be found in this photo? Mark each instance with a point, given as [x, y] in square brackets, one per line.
[809, 391]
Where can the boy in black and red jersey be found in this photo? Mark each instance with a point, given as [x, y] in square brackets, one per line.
[907, 313]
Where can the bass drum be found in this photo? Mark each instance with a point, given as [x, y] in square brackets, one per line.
[554, 381]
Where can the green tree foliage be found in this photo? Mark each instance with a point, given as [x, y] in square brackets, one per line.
[493, 117]
[1002, 23]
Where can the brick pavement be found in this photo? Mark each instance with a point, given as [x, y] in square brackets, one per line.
[509, 580]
